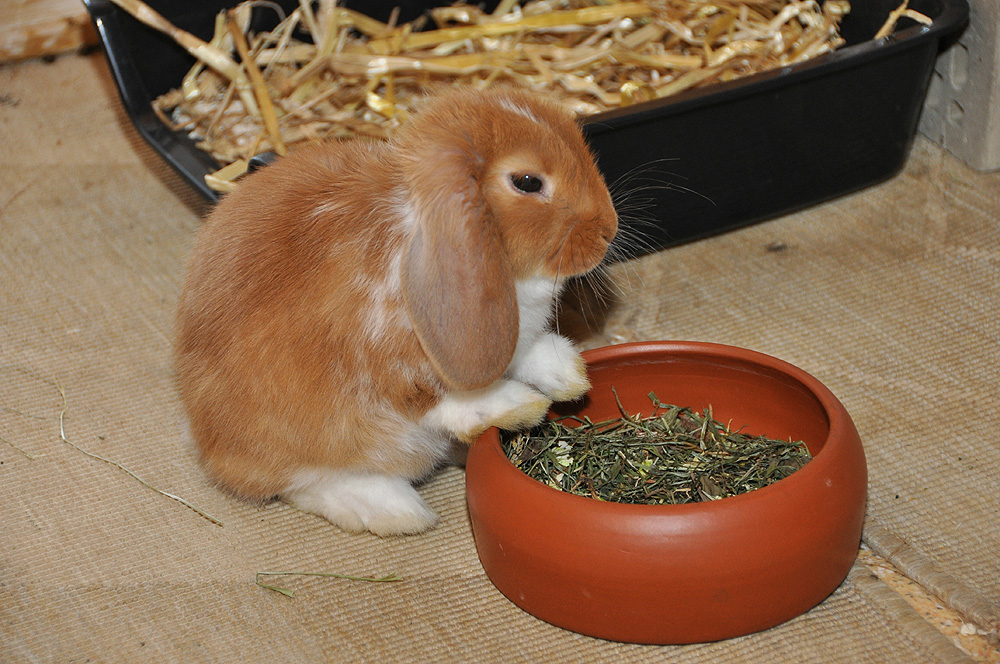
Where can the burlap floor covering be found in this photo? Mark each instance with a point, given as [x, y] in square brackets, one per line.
[889, 296]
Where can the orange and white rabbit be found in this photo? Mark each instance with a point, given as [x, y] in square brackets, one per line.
[352, 309]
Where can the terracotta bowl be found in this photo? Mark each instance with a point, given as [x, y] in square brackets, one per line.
[670, 574]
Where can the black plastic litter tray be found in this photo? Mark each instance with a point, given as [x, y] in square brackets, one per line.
[706, 161]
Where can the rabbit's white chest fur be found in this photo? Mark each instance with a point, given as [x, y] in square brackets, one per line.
[535, 302]
[543, 359]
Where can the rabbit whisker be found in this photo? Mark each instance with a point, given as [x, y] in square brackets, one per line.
[649, 177]
[556, 282]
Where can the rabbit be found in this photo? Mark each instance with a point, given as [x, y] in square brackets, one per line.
[352, 310]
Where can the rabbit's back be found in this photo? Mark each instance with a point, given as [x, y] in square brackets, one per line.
[291, 328]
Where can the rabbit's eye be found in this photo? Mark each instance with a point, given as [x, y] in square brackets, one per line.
[527, 183]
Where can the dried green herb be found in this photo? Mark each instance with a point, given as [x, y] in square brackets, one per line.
[329, 575]
[675, 455]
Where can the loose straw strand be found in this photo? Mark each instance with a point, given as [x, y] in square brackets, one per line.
[329, 575]
[148, 485]
[22, 451]
[898, 13]
[259, 86]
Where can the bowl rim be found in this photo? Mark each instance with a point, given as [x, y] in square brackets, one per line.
[839, 422]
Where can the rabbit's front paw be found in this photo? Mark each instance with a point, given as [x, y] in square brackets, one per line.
[554, 367]
[506, 404]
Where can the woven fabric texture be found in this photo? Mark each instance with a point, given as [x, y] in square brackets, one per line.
[889, 296]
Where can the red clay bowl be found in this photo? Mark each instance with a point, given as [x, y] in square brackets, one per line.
[689, 573]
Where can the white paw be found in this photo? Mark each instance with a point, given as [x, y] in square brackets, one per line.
[358, 502]
[553, 366]
[506, 404]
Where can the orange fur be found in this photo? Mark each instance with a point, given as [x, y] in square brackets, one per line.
[339, 293]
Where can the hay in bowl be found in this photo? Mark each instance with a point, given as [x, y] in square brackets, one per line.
[670, 574]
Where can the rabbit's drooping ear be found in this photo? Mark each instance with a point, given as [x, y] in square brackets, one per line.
[457, 281]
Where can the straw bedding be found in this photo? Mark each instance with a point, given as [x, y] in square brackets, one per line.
[889, 296]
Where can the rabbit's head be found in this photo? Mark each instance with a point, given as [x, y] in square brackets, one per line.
[501, 188]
